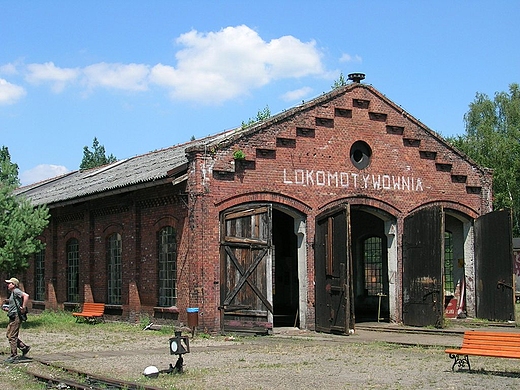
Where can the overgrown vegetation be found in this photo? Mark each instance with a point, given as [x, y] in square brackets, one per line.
[20, 222]
[340, 82]
[239, 154]
[262, 115]
[61, 321]
[96, 157]
[492, 139]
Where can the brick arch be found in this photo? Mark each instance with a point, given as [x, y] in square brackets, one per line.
[72, 233]
[370, 202]
[460, 208]
[113, 228]
[166, 220]
[270, 197]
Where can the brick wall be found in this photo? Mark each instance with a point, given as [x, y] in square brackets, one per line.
[301, 160]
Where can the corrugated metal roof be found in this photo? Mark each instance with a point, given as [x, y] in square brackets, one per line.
[138, 170]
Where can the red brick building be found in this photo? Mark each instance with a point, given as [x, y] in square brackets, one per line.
[341, 210]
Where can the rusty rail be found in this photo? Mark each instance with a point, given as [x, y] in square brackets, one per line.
[91, 382]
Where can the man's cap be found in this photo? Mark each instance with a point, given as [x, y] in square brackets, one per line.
[14, 281]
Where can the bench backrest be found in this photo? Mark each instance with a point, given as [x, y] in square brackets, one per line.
[491, 340]
[93, 307]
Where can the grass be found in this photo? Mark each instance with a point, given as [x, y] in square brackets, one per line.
[63, 322]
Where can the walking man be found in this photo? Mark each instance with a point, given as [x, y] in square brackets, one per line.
[17, 304]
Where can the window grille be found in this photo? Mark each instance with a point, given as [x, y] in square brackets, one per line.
[39, 276]
[114, 272]
[373, 259]
[449, 288]
[73, 270]
[167, 254]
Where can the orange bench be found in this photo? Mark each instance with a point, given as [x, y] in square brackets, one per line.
[91, 312]
[492, 344]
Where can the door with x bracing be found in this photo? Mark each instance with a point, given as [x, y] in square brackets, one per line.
[246, 293]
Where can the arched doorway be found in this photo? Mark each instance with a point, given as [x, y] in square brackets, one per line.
[370, 264]
[263, 268]
[285, 271]
[355, 267]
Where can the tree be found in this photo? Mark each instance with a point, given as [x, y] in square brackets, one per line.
[262, 115]
[340, 82]
[492, 139]
[20, 222]
[96, 157]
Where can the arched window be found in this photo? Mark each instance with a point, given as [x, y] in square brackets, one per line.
[39, 276]
[167, 263]
[373, 261]
[449, 288]
[73, 270]
[114, 269]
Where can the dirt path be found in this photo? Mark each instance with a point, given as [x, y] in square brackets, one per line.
[303, 361]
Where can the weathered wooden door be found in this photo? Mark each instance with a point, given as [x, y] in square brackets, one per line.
[494, 266]
[423, 253]
[333, 268]
[246, 270]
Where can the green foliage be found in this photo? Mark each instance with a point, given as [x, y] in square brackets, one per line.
[97, 157]
[20, 222]
[239, 154]
[492, 139]
[262, 115]
[8, 170]
[340, 82]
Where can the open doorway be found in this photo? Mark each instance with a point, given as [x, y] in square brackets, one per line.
[370, 265]
[454, 275]
[285, 271]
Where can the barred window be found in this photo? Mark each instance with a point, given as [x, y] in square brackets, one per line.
[373, 260]
[73, 270]
[167, 263]
[114, 271]
[449, 288]
[39, 276]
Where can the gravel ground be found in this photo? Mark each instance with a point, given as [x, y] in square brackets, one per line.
[290, 359]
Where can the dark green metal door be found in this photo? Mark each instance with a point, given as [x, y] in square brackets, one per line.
[422, 268]
[494, 266]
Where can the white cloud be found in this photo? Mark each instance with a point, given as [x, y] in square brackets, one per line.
[48, 72]
[131, 77]
[218, 66]
[10, 93]
[297, 94]
[42, 172]
[211, 67]
[348, 58]
[9, 69]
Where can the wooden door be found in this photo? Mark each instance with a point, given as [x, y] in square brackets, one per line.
[246, 267]
[333, 269]
[494, 266]
[423, 254]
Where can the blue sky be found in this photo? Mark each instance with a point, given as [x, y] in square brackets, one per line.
[145, 75]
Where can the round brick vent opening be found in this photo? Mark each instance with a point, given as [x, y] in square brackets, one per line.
[360, 154]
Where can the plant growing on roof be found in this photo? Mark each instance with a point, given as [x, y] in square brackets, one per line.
[340, 82]
[239, 154]
[262, 115]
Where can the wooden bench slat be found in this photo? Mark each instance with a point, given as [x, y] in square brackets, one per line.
[490, 344]
[490, 353]
[91, 311]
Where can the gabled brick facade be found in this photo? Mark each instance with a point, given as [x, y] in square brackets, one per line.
[249, 254]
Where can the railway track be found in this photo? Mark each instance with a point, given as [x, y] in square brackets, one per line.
[85, 380]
